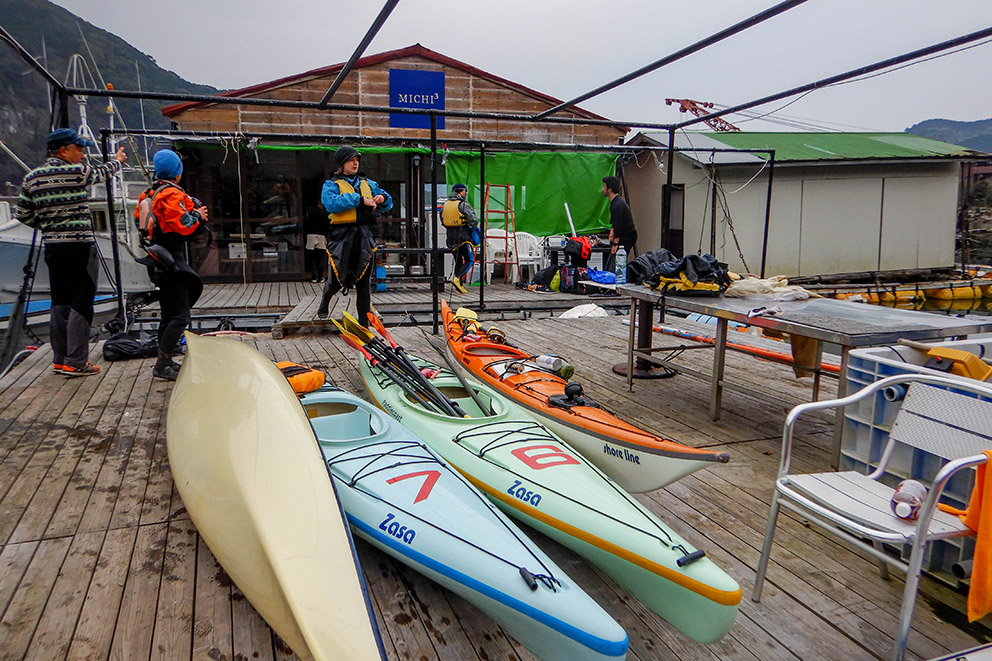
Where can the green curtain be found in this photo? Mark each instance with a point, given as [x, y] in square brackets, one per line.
[542, 182]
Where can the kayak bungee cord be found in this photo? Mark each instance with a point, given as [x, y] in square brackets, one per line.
[475, 433]
[373, 458]
[521, 427]
[546, 436]
[547, 578]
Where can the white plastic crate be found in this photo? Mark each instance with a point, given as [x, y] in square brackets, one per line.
[866, 430]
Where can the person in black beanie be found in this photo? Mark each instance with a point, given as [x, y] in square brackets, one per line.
[354, 203]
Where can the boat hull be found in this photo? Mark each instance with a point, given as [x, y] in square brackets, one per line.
[407, 501]
[15, 245]
[537, 479]
[253, 479]
[638, 460]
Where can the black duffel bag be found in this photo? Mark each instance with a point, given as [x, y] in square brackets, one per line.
[124, 347]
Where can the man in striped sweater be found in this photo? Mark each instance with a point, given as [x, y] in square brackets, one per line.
[54, 200]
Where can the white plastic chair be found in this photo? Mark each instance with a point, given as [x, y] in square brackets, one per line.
[853, 506]
[530, 255]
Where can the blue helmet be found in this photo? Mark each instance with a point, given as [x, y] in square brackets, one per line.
[168, 165]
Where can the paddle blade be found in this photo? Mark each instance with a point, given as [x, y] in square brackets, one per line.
[352, 341]
[353, 326]
[381, 328]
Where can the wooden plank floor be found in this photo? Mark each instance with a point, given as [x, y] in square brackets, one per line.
[98, 558]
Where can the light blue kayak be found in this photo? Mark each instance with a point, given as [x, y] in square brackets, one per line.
[404, 499]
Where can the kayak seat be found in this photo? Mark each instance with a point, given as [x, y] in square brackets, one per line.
[338, 421]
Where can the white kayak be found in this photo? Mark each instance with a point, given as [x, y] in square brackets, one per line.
[251, 474]
[407, 501]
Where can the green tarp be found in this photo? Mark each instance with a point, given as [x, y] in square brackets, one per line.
[541, 183]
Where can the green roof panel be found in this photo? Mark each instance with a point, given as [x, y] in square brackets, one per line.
[843, 146]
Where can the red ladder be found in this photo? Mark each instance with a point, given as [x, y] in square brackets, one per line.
[509, 235]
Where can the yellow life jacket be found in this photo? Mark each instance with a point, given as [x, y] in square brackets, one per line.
[303, 379]
[349, 215]
[451, 216]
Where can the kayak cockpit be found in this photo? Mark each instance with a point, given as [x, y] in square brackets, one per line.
[460, 396]
[343, 421]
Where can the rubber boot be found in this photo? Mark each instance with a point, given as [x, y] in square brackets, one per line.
[165, 368]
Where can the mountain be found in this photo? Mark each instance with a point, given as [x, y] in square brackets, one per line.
[52, 35]
[977, 134]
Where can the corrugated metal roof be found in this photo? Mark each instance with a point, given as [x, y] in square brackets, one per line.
[810, 147]
[843, 146]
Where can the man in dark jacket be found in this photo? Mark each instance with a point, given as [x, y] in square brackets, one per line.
[354, 202]
[54, 199]
[622, 230]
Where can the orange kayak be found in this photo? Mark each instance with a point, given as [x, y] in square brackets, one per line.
[636, 459]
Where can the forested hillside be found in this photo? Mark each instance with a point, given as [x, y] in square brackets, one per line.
[52, 35]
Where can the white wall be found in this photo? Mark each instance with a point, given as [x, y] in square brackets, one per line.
[824, 219]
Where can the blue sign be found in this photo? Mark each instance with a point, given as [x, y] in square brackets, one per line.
[411, 88]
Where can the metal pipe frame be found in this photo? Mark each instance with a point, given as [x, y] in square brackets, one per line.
[373, 30]
[515, 146]
[678, 55]
[250, 101]
[768, 213]
[112, 218]
[853, 73]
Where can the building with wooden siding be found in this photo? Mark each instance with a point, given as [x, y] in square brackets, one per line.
[260, 191]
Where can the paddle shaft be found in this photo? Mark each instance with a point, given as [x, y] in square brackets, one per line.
[454, 370]
[417, 382]
[401, 355]
[352, 340]
[400, 364]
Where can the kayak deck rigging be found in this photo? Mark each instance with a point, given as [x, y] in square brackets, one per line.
[374, 453]
[507, 429]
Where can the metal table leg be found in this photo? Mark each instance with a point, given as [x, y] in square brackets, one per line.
[839, 418]
[630, 344]
[816, 374]
[719, 361]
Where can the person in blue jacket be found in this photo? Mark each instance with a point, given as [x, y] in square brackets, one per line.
[354, 202]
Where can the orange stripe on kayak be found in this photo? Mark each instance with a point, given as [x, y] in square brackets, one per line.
[722, 597]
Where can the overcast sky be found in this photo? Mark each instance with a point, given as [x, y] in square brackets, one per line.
[565, 48]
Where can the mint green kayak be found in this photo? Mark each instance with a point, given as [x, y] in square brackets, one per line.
[539, 480]
[406, 500]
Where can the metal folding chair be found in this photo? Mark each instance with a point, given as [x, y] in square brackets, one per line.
[854, 507]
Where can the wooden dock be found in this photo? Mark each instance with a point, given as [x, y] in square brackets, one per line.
[98, 558]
